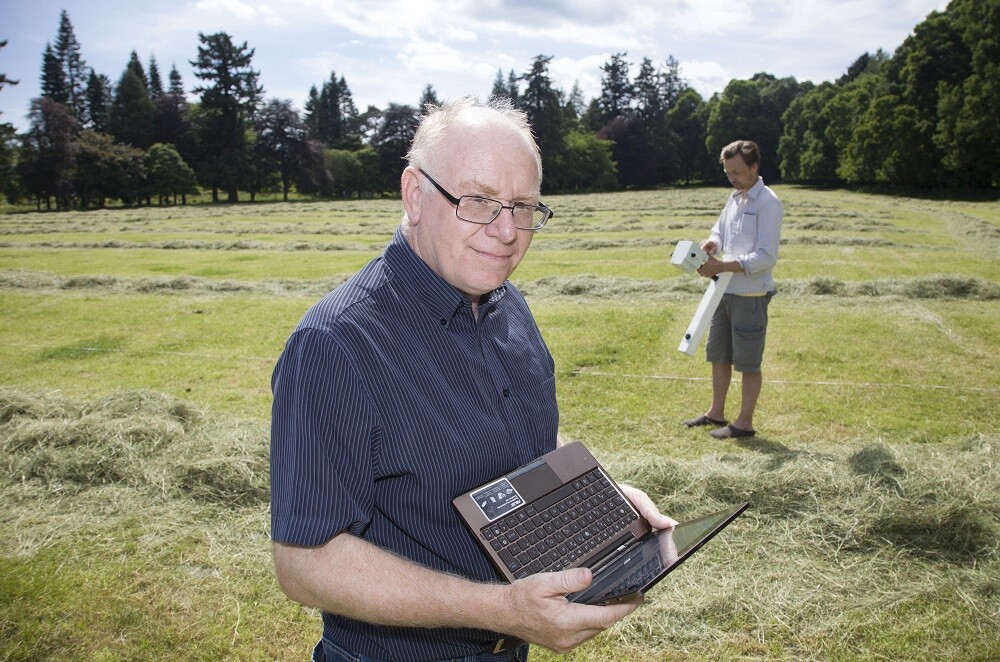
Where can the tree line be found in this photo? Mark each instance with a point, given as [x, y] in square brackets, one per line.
[925, 116]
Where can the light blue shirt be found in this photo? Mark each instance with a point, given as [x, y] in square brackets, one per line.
[749, 231]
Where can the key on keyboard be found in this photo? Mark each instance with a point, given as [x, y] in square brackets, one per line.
[561, 528]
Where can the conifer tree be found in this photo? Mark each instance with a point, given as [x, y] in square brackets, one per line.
[428, 98]
[229, 99]
[74, 69]
[53, 77]
[543, 105]
[99, 97]
[131, 118]
[155, 85]
[7, 133]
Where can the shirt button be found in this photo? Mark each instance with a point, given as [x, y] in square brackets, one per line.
[443, 321]
[506, 393]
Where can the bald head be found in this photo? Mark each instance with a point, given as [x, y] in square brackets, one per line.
[466, 117]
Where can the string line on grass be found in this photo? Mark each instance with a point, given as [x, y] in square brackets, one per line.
[598, 373]
[796, 382]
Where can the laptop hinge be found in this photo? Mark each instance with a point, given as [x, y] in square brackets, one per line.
[598, 565]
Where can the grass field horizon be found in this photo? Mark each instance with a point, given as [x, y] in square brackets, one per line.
[134, 405]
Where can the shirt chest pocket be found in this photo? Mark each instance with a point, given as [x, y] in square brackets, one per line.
[744, 234]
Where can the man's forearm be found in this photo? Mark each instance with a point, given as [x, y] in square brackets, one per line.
[353, 578]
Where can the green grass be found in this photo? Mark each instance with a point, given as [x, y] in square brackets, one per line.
[136, 349]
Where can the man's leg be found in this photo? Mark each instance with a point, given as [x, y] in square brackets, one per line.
[722, 375]
[752, 383]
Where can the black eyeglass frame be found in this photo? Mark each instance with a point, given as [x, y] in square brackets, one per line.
[456, 201]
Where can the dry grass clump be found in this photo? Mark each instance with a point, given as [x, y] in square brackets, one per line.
[609, 287]
[169, 285]
[833, 539]
[944, 286]
[135, 438]
[816, 240]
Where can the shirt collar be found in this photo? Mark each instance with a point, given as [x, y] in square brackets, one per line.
[753, 191]
[419, 282]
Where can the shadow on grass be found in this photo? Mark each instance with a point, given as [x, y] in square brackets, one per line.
[778, 453]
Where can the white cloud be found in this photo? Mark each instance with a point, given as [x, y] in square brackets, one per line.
[705, 76]
[244, 11]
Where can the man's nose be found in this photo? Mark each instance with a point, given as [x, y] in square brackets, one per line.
[503, 227]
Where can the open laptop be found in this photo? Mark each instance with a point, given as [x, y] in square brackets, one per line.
[564, 510]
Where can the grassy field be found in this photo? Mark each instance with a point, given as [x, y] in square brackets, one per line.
[136, 348]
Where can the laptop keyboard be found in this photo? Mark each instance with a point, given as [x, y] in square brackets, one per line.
[561, 528]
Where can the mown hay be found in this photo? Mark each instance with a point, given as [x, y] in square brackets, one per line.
[832, 539]
[135, 438]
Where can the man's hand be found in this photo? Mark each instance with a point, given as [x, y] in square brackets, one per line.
[647, 508]
[712, 267]
[538, 606]
[537, 610]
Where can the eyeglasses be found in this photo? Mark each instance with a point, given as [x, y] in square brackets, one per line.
[481, 210]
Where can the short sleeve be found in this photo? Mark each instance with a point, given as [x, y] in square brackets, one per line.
[322, 430]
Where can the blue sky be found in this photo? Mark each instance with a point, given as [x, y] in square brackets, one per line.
[389, 50]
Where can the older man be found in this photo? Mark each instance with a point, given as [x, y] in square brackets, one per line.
[421, 377]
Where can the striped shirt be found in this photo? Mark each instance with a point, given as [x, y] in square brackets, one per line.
[390, 399]
[749, 230]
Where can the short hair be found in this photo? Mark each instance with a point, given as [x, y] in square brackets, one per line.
[424, 151]
[747, 149]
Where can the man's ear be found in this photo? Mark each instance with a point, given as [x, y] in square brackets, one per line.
[409, 187]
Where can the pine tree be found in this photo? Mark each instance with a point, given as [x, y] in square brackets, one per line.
[309, 113]
[543, 105]
[428, 98]
[671, 82]
[135, 66]
[74, 69]
[131, 119]
[176, 84]
[229, 100]
[155, 85]
[616, 89]
[649, 102]
[7, 133]
[351, 134]
[53, 77]
[99, 97]
[171, 118]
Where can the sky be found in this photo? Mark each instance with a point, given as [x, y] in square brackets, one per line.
[388, 51]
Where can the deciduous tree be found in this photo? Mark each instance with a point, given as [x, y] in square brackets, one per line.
[167, 175]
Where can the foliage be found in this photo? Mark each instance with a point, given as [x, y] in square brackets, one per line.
[229, 99]
[48, 153]
[587, 163]
[331, 116]
[105, 169]
[753, 108]
[282, 146]
[890, 120]
[167, 175]
[919, 117]
[542, 104]
[391, 142]
[968, 133]
[131, 116]
[7, 148]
